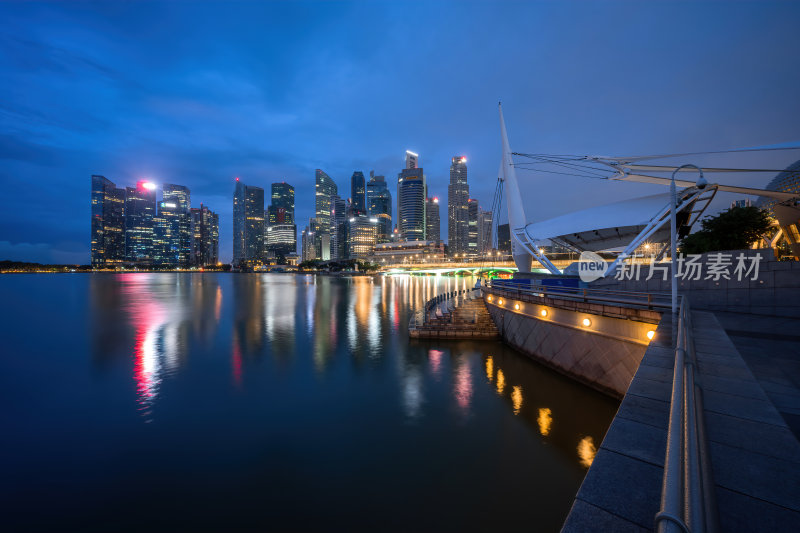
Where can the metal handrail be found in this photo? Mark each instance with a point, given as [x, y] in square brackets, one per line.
[644, 299]
[414, 322]
[687, 493]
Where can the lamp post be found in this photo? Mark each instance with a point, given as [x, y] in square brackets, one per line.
[673, 233]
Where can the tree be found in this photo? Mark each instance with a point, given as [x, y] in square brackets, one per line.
[733, 229]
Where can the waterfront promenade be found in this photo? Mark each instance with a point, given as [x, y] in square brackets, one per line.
[748, 374]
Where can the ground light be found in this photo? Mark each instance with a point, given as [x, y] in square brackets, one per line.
[651, 334]
[587, 322]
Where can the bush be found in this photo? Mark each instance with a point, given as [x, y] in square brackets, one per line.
[733, 229]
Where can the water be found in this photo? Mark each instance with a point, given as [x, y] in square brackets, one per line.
[273, 402]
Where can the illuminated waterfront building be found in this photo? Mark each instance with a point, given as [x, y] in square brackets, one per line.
[408, 251]
[177, 201]
[108, 223]
[281, 207]
[358, 193]
[432, 222]
[280, 238]
[472, 225]
[485, 241]
[412, 159]
[248, 224]
[140, 212]
[338, 228]
[362, 232]
[167, 226]
[379, 205]
[205, 236]
[458, 207]
[411, 193]
[325, 190]
[308, 245]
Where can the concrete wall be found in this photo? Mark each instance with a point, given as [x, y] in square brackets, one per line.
[604, 355]
[775, 292]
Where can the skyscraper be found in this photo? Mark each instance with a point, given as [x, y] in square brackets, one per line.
[248, 224]
[338, 228]
[412, 159]
[432, 222]
[457, 207]
[504, 239]
[108, 223]
[411, 191]
[485, 240]
[358, 193]
[167, 236]
[205, 236]
[362, 232]
[280, 235]
[281, 208]
[308, 245]
[325, 190]
[472, 243]
[140, 212]
[379, 205]
[177, 202]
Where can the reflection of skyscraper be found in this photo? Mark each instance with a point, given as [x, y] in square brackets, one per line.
[457, 207]
[248, 224]
[325, 190]
[432, 231]
[140, 212]
[358, 193]
[379, 205]
[411, 191]
[108, 223]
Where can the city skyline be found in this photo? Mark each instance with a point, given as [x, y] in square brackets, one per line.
[181, 107]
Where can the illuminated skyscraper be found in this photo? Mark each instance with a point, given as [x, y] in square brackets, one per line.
[412, 159]
[205, 236]
[432, 221]
[472, 225]
[485, 240]
[281, 208]
[177, 202]
[457, 207]
[308, 252]
[358, 193]
[167, 236]
[411, 191]
[140, 212]
[379, 205]
[108, 223]
[338, 228]
[248, 224]
[280, 236]
[362, 232]
[325, 190]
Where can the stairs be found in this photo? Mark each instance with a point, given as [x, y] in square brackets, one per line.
[458, 318]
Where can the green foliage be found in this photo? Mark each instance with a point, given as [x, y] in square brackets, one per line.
[734, 229]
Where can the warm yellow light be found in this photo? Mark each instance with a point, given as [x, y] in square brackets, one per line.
[516, 306]
[587, 322]
[500, 301]
[545, 420]
[544, 312]
[489, 298]
[651, 334]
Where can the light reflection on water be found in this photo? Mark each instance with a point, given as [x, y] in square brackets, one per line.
[242, 395]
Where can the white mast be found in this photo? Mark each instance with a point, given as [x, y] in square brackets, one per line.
[516, 211]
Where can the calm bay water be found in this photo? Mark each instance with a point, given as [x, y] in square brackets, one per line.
[273, 402]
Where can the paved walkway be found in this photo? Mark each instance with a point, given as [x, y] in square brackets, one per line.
[771, 348]
[755, 456]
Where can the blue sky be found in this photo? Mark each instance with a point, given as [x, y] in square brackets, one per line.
[198, 93]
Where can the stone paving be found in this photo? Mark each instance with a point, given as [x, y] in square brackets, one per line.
[755, 456]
